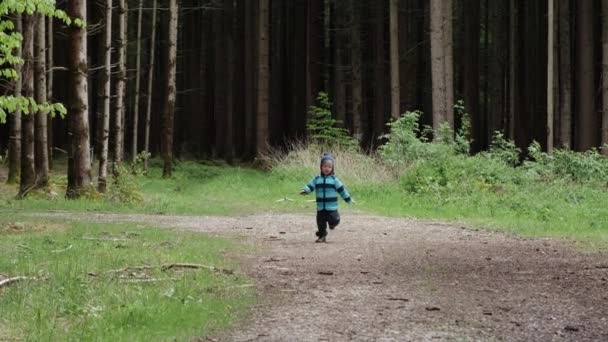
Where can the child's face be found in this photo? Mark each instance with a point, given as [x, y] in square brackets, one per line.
[326, 168]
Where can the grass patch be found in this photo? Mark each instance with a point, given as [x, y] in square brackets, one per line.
[89, 280]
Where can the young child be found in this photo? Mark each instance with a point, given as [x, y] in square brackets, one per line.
[327, 186]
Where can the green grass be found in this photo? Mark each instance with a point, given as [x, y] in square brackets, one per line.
[514, 200]
[76, 296]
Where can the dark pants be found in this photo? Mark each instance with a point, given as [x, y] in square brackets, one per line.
[325, 217]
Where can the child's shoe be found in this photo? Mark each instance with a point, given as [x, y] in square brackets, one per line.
[321, 239]
[332, 227]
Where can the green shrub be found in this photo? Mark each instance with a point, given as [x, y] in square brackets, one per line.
[125, 186]
[504, 150]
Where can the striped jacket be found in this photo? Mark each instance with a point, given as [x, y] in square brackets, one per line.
[327, 188]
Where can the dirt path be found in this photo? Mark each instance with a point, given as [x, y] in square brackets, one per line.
[380, 279]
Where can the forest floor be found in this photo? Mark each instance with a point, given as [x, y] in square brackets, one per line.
[385, 279]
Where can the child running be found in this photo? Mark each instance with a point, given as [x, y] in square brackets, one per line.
[327, 186]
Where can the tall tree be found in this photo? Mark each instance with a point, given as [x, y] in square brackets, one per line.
[263, 78]
[41, 157]
[565, 74]
[604, 76]
[586, 123]
[137, 78]
[227, 22]
[357, 84]
[28, 171]
[49, 87]
[513, 74]
[169, 103]
[119, 113]
[104, 121]
[150, 82]
[448, 55]
[14, 153]
[339, 89]
[394, 46]
[550, 73]
[379, 69]
[79, 162]
[470, 77]
[438, 63]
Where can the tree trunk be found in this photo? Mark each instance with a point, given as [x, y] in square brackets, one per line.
[513, 58]
[104, 122]
[339, 91]
[150, 82]
[28, 172]
[79, 164]
[250, 64]
[604, 77]
[169, 107]
[438, 64]
[565, 74]
[263, 79]
[326, 44]
[49, 87]
[357, 85]
[497, 113]
[471, 73]
[394, 45]
[41, 157]
[119, 114]
[14, 153]
[137, 77]
[379, 112]
[448, 56]
[227, 19]
[550, 75]
[586, 131]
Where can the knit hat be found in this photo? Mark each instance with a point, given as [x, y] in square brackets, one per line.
[328, 157]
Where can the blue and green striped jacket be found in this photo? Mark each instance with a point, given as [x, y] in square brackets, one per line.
[327, 188]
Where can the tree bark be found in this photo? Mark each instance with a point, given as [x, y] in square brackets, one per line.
[471, 73]
[339, 91]
[250, 46]
[79, 164]
[137, 84]
[14, 152]
[49, 87]
[448, 55]
[41, 157]
[513, 74]
[150, 82]
[379, 112]
[263, 79]
[28, 172]
[394, 46]
[119, 114]
[565, 74]
[438, 64]
[104, 122]
[586, 132]
[550, 74]
[604, 140]
[169, 107]
[357, 84]
[227, 19]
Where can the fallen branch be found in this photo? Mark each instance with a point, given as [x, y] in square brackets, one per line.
[9, 281]
[62, 250]
[182, 265]
[130, 268]
[104, 239]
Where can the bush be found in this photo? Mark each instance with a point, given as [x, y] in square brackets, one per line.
[124, 187]
[323, 128]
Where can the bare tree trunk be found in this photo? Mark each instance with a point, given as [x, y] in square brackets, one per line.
[227, 19]
[586, 128]
[513, 55]
[394, 46]
[49, 86]
[550, 76]
[471, 73]
[137, 77]
[565, 74]
[250, 46]
[14, 153]
[104, 122]
[326, 44]
[150, 80]
[28, 172]
[119, 132]
[379, 71]
[448, 56]
[79, 162]
[357, 85]
[263, 79]
[339, 91]
[438, 64]
[604, 77]
[41, 157]
[169, 107]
